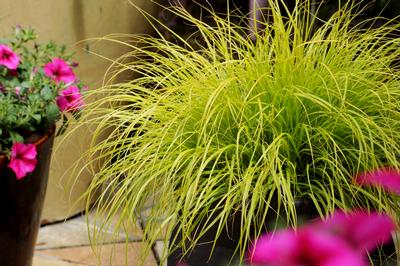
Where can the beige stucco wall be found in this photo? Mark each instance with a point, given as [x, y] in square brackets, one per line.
[68, 22]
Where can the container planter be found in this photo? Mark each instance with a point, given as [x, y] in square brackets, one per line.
[38, 87]
[21, 203]
[70, 27]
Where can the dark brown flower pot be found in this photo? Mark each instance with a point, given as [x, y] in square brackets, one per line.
[21, 203]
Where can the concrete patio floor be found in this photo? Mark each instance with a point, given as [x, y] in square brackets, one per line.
[67, 244]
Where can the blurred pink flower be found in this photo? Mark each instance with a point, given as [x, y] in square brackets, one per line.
[17, 90]
[305, 247]
[387, 178]
[58, 70]
[70, 99]
[362, 230]
[8, 58]
[343, 239]
[23, 159]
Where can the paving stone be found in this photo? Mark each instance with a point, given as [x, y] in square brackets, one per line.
[75, 233]
[112, 255]
[159, 249]
[43, 260]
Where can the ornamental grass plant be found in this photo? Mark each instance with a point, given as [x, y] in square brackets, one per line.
[246, 128]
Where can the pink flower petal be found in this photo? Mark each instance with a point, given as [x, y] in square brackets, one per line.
[59, 71]
[321, 248]
[29, 152]
[364, 231]
[23, 159]
[277, 248]
[16, 166]
[22, 168]
[387, 178]
[8, 57]
[70, 99]
[348, 259]
[306, 247]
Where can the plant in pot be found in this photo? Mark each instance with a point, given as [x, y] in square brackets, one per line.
[37, 88]
[238, 136]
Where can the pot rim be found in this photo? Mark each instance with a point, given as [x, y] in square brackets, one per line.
[42, 139]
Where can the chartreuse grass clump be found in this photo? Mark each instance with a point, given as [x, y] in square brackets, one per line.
[248, 128]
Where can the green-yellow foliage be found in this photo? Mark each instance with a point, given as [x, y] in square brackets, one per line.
[240, 125]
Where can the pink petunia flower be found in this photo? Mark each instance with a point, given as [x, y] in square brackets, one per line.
[362, 230]
[70, 99]
[8, 57]
[305, 247]
[58, 70]
[23, 159]
[387, 178]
